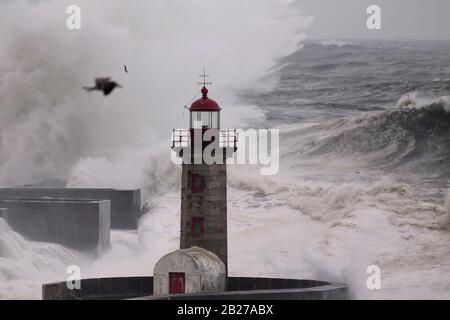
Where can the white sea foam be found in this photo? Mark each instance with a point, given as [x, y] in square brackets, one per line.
[24, 265]
[336, 231]
[416, 100]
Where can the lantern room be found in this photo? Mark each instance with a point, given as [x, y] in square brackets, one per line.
[205, 113]
[204, 129]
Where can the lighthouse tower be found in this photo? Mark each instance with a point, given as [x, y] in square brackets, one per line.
[204, 148]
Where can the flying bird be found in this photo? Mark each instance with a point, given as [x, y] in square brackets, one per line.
[125, 68]
[103, 84]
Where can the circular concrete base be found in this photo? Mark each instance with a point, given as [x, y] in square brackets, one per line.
[238, 288]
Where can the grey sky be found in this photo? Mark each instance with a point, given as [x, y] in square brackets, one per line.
[401, 19]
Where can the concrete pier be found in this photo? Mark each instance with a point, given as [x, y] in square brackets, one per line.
[238, 289]
[125, 204]
[82, 225]
[101, 288]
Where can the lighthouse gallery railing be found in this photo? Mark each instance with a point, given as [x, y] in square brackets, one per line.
[181, 138]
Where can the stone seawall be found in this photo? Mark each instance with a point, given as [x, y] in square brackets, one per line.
[125, 204]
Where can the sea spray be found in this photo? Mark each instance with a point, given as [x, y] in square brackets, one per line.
[49, 123]
[52, 128]
[24, 265]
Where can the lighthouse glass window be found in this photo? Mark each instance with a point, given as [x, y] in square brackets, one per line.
[204, 120]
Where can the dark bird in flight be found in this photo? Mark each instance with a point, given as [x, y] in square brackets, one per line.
[125, 68]
[103, 84]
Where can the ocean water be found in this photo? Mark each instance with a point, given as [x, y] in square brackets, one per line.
[383, 104]
[364, 145]
[365, 160]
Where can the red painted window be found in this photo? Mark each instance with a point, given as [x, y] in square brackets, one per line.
[176, 282]
[198, 226]
[198, 183]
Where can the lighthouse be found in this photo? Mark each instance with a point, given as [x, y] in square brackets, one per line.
[204, 149]
[199, 269]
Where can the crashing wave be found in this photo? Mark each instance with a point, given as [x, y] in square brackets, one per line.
[412, 100]
[25, 265]
[415, 137]
[407, 100]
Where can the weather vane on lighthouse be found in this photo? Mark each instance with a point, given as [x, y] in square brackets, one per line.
[204, 76]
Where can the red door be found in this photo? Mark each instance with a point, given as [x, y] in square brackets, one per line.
[176, 282]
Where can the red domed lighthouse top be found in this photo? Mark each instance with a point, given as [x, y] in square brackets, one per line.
[205, 103]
